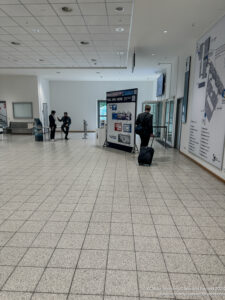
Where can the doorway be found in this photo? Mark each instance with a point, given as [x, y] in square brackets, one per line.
[178, 123]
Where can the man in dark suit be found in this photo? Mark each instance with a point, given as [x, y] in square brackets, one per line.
[66, 124]
[145, 120]
[52, 125]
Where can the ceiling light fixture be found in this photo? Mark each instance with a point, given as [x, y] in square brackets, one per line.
[153, 54]
[67, 9]
[165, 31]
[119, 29]
[15, 43]
[36, 30]
[119, 9]
[84, 43]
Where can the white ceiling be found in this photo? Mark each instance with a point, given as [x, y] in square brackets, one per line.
[50, 37]
[57, 41]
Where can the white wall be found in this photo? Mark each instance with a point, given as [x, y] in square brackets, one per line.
[79, 99]
[43, 95]
[17, 88]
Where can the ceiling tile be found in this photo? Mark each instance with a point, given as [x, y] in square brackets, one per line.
[77, 29]
[24, 37]
[93, 9]
[75, 9]
[62, 1]
[2, 14]
[26, 21]
[15, 30]
[9, 2]
[49, 21]
[34, 1]
[3, 31]
[103, 43]
[120, 1]
[72, 20]
[99, 29]
[68, 44]
[15, 10]
[50, 43]
[117, 20]
[6, 21]
[96, 20]
[43, 37]
[80, 37]
[61, 37]
[32, 44]
[7, 37]
[111, 8]
[39, 10]
[56, 29]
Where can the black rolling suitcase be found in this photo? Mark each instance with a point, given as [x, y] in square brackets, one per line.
[146, 155]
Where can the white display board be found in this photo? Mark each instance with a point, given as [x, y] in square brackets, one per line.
[207, 126]
[121, 117]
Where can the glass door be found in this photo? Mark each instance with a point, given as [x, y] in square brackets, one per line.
[169, 120]
[102, 112]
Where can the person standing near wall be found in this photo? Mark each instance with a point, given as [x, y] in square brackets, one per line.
[52, 125]
[145, 121]
[66, 124]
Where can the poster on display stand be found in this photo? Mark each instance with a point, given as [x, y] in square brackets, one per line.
[207, 126]
[121, 117]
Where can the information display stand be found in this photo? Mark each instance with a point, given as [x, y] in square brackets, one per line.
[121, 117]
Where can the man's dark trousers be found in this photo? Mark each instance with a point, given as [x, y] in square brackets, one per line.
[145, 140]
[53, 132]
[65, 129]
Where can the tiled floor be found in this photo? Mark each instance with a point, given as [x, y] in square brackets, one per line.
[81, 222]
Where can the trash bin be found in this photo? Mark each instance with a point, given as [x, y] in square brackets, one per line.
[38, 130]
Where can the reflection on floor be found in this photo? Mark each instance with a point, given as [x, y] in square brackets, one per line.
[82, 222]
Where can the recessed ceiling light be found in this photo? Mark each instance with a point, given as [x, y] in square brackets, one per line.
[67, 9]
[119, 8]
[36, 30]
[15, 43]
[153, 54]
[84, 43]
[119, 29]
[165, 31]
[120, 53]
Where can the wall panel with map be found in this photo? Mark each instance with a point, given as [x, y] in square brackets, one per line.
[207, 126]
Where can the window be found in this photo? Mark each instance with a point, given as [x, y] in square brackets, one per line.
[102, 112]
[22, 110]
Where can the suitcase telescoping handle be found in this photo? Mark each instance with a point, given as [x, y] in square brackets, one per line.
[152, 140]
